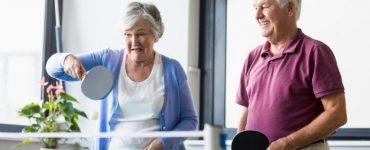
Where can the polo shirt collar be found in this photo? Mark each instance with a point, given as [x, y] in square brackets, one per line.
[291, 48]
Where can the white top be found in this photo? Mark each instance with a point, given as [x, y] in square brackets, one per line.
[140, 104]
[141, 100]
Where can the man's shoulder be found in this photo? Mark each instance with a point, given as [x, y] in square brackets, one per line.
[312, 42]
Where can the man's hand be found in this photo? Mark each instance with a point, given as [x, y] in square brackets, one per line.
[281, 144]
[156, 144]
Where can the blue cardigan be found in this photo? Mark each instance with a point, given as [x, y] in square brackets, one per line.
[177, 114]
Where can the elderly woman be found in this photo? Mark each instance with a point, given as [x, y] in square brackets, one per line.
[150, 93]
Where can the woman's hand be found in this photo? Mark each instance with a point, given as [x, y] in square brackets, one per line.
[73, 67]
[156, 144]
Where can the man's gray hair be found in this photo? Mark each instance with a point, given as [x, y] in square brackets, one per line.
[147, 11]
[297, 3]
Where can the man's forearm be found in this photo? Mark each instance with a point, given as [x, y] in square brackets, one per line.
[325, 124]
[243, 120]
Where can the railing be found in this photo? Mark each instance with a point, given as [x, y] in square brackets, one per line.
[213, 137]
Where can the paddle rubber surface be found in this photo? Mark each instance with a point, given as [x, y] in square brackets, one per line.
[97, 83]
[250, 140]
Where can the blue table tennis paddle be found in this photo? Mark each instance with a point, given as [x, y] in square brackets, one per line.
[97, 83]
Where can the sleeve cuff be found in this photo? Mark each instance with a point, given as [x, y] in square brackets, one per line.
[61, 57]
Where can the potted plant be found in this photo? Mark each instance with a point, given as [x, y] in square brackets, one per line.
[57, 114]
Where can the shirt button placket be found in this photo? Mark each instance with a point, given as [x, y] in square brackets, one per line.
[269, 66]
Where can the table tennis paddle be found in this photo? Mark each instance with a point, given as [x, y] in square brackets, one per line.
[250, 140]
[97, 83]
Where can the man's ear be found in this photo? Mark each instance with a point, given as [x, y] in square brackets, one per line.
[291, 8]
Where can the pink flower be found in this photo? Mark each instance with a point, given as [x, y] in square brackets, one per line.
[50, 90]
[59, 89]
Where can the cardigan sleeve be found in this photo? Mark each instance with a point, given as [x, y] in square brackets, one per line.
[186, 118]
[55, 64]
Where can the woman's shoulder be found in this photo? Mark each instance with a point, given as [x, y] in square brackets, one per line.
[108, 56]
[170, 62]
[112, 52]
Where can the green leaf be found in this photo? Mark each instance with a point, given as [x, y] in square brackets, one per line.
[67, 97]
[69, 110]
[44, 117]
[46, 106]
[50, 126]
[39, 120]
[66, 117]
[81, 113]
[29, 110]
[31, 128]
[24, 142]
[74, 127]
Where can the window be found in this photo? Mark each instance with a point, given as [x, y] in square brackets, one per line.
[345, 32]
[242, 36]
[22, 24]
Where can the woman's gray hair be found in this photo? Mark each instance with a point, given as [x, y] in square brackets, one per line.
[297, 3]
[147, 11]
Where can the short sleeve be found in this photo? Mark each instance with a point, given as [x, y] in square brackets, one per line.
[326, 78]
[242, 95]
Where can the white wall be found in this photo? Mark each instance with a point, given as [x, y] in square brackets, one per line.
[344, 26]
[91, 25]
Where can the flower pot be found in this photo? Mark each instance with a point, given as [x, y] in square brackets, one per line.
[49, 143]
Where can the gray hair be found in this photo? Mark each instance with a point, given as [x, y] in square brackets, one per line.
[297, 3]
[147, 11]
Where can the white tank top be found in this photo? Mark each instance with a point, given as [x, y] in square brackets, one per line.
[140, 104]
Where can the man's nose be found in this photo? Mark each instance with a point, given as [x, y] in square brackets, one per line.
[258, 14]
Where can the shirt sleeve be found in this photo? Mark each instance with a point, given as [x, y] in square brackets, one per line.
[326, 78]
[241, 96]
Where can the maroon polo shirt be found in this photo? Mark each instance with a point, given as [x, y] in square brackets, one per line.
[282, 92]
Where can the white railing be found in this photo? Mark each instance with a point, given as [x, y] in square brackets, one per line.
[212, 136]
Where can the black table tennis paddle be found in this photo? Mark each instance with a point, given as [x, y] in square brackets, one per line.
[97, 83]
[250, 140]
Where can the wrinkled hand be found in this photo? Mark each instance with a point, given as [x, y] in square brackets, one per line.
[73, 67]
[280, 144]
[156, 144]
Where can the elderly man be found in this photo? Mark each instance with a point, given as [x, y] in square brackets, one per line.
[290, 86]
